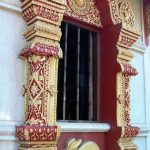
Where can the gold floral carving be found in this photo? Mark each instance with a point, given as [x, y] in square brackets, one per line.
[41, 55]
[80, 7]
[127, 14]
[74, 144]
[123, 13]
[41, 90]
[114, 9]
[148, 18]
[84, 10]
[80, 3]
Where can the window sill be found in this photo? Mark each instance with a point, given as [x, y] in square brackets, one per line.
[7, 128]
[84, 127]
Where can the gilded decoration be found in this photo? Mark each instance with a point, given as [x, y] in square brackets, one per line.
[80, 3]
[148, 18]
[41, 90]
[123, 13]
[75, 144]
[80, 7]
[84, 10]
[127, 14]
[41, 55]
[114, 9]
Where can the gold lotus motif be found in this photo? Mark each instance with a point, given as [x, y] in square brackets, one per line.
[80, 3]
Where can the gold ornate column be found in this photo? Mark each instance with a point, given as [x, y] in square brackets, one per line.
[128, 36]
[148, 18]
[41, 56]
[123, 13]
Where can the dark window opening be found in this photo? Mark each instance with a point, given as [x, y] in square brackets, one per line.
[77, 75]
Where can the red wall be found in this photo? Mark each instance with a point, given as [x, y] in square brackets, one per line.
[109, 68]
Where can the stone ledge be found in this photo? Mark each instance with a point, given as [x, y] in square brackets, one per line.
[7, 128]
[84, 127]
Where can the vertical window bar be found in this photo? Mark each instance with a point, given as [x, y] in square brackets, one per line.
[65, 71]
[91, 77]
[78, 74]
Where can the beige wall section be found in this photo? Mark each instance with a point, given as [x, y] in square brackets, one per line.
[137, 8]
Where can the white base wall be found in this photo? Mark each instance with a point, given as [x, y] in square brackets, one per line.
[11, 67]
[11, 73]
[140, 96]
[8, 145]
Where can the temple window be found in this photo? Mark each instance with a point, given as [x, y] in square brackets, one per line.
[77, 82]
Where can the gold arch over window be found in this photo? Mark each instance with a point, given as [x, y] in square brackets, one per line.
[85, 11]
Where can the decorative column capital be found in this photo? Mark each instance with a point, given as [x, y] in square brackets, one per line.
[49, 11]
[43, 34]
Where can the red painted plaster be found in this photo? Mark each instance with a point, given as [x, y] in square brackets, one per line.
[145, 4]
[109, 68]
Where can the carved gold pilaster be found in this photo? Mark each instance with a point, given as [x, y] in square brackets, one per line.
[148, 18]
[41, 56]
[128, 36]
[123, 13]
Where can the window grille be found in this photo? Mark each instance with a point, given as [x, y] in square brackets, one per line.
[77, 75]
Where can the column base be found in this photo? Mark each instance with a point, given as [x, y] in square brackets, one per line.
[38, 137]
[48, 148]
[39, 145]
[127, 144]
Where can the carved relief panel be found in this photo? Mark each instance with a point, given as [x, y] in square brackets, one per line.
[148, 18]
[84, 10]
